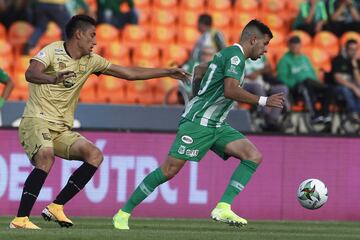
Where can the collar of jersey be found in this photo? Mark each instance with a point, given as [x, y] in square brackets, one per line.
[239, 46]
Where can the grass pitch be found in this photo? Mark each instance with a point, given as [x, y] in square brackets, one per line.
[182, 229]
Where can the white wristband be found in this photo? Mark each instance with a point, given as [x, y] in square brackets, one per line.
[262, 101]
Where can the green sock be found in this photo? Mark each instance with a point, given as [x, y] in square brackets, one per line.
[147, 186]
[238, 180]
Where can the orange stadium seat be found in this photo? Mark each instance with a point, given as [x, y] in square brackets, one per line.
[174, 54]
[19, 33]
[142, 4]
[144, 17]
[187, 37]
[5, 64]
[3, 33]
[248, 6]
[320, 58]
[162, 36]
[22, 63]
[106, 33]
[111, 89]
[219, 5]
[52, 34]
[146, 50]
[292, 8]
[89, 91]
[328, 42]
[349, 35]
[240, 19]
[274, 21]
[133, 35]
[221, 21]
[273, 6]
[163, 17]
[170, 5]
[188, 18]
[115, 49]
[198, 6]
[20, 91]
[166, 86]
[306, 39]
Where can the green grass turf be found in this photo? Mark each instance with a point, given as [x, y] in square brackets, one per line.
[173, 229]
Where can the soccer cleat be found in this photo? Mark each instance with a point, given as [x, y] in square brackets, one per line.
[22, 222]
[55, 212]
[121, 220]
[223, 213]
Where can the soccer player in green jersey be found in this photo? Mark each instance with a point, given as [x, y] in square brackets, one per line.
[56, 75]
[202, 126]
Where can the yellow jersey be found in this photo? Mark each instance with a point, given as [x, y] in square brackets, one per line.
[57, 102]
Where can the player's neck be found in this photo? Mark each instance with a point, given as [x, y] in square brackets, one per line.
[72, 50]
[245, 48]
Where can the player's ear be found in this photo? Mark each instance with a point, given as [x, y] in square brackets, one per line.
[253, 40]
[78, 34]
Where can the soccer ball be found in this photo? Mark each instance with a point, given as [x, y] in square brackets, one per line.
[312, 193]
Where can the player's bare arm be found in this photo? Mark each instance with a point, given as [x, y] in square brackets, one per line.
[199, 73]
[233, 91]
[140, 73]
[9, 86]
[35, 74]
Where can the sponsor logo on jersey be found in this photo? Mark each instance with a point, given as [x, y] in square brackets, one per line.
[232, 69]
[181, 149]
[235, 60]
[187, 139]
[82, 68]
[58, 50]
[46, 136]
[192, 153]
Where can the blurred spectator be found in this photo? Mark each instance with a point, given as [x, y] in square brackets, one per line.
[344, 16]
[209, 37]
[45, 11]
[9, 85]
[296, 71]
[110, 11]
[260, 80]
[13, 10]
[79, 7]
[346, 73]
[312, 16]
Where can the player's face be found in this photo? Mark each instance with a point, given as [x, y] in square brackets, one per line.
[87, 40]
[260, 47]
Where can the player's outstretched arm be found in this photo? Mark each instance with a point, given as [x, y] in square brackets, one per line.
[140, 73]
[233, 91]
[34, 74]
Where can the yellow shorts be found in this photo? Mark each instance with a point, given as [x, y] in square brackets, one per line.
[37, 133]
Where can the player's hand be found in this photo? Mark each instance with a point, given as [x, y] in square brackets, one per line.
[180, 74]
[62, 76]
[276, 100]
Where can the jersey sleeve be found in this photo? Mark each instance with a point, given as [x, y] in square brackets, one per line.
[99, 64]
[3, 76]
[45, 55]
[234, 67]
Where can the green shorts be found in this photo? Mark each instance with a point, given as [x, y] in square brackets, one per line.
[3, 76]
[193, 140]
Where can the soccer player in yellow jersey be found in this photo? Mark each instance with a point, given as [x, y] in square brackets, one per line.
[56, 75]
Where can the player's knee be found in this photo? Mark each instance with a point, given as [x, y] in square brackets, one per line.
[44, 159]
[256, 157]
[95, 157]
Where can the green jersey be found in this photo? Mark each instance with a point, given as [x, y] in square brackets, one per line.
[210, 107]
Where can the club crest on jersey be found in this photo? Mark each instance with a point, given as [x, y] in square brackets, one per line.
[235, 60]
[187, 139]
[62, 65]
[181, 149]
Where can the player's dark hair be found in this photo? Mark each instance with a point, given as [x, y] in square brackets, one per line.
[78, 22]
[349, 42]
[255, 25]
[205, 19]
